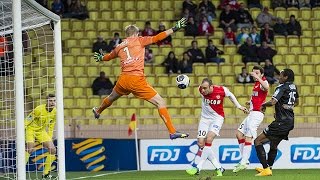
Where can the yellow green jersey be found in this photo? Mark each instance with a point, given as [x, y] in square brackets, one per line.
[40, 119]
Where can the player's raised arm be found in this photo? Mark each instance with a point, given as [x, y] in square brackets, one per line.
[264, 83]
[179, 24]
[234, 100]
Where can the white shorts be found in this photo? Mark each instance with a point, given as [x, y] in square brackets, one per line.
[250, 124]
[206, 125]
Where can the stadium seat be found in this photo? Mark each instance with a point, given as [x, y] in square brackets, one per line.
[79, 71]
[145, 112]
[199, 69]
[281, 12]
[293, 40]
[175, 101]
[308, 69]
[92, 71]
[77, 92]
[229, 79]
[129, 5]
[311, 79]
[295, 49]
[142, 5]
[305, 14]
[94, 15]
[91, 34]
[255, 12]
[238, 89]
[151, 79]
[316, 13]
[308, 49]
[212, 68]
[173, 91]
[188, 101]
[159, 69]
[282, 49]
[307, 32]
[315, 58]
[308, 100]
[156, 14]
[85, 43]
[65, 25]
[298, 78]
[306, 41]
[230, 49]
[117, 112]
[134, 102]
[315, 24]
[131, 15]
[309, 110]
[293, 11]
[116, 5]
[168, 15]
[77, 25]
[303, 58]
[305, 24]
[226, 69]
[280, 40]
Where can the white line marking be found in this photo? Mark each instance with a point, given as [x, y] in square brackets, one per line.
[106, 174]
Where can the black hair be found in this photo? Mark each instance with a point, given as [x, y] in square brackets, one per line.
[208, 81]
[289, 74]
[257, 67]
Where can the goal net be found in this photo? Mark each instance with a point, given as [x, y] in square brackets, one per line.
[39, 80]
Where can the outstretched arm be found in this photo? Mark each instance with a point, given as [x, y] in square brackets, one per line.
[179, 24]
[101, 57]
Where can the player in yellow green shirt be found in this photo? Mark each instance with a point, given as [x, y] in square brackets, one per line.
[39, 126]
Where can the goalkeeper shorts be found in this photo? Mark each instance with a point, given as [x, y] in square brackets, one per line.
[39, 136]
[137, 85]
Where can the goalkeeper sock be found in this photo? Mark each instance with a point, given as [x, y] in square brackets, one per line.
[47, 165]
[105, 104]
[164, 114]
[27, 157]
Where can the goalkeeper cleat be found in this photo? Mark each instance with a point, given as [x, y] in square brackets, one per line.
[178, 135]
[193, 171]
[239, 167]
[95, 113]
[265, 172]
[220, 171]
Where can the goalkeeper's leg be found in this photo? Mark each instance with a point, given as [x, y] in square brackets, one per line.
[106, 103]
[50, 158]
[29, 150]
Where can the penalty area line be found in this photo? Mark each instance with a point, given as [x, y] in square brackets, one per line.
[105, 174]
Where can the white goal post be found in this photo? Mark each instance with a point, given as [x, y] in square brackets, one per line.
[16, 17]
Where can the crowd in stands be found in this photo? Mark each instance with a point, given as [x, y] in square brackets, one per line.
[67, 8]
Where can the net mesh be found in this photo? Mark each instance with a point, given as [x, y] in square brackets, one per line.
[39, 81]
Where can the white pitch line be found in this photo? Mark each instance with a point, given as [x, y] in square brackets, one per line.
[106, 174]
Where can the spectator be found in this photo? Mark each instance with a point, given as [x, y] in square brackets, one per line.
[205, 28]
[234, 5]
[57, 7]
[100, 44]
[115, 41]
[43, 3]
[203, 12]
[248, 52]
[171, 63]
[254, 4]
[292, 3]
[280, 28]
[229, 37]
[185, 65]
[78, 10]
[244, 77]
[148, 31]
[242, 37]
[294, 27]
[265, 52]
[305, 3]
[277, 3]
[67, 7]
[212, 53]
[256, 38]
[315, 3]
[209, 8]
[167, 40]
[186, 14]
[270, 72]
[102, 85]
[188, 4]
[267, 34]
[228, 19]
[195, 53]
[148, 56]
[244, 17]
[265, 17]
[191, 29]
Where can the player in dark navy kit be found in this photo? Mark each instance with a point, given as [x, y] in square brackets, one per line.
[285, 98]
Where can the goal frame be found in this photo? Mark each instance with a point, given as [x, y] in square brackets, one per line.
[19, 86]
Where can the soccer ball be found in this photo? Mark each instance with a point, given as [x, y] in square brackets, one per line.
[183, 81]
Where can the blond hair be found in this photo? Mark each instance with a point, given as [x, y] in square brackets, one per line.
[131, 29]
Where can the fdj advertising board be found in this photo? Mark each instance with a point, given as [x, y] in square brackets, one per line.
[181, 154]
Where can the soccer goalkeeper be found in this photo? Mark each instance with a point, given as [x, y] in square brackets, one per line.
[132, 79]
[36, 124]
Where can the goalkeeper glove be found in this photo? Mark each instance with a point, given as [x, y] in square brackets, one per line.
[180, 24]
[98, 56]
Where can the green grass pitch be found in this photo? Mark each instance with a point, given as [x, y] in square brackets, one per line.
[278, 174]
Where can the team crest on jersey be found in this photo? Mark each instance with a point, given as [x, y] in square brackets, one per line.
[218, 96]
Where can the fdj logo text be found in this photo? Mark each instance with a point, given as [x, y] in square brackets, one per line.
[167, 154]
[307, 153]
[229, 154]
